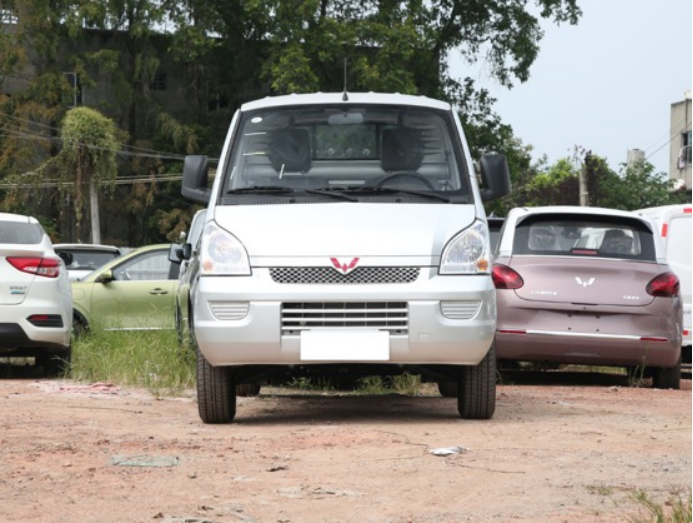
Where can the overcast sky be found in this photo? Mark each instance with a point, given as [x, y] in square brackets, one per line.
[606, 84]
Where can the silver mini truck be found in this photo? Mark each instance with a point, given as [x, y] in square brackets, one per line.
[344, 236]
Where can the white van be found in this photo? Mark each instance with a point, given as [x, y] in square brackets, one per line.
[344, 235]
[674, 225]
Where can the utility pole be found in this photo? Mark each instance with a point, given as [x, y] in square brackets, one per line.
[584, 196]
[94, 210]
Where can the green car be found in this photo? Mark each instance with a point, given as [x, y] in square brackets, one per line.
[136, 291]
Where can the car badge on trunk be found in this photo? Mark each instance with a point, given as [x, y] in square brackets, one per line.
[585, 283]
[344, 268]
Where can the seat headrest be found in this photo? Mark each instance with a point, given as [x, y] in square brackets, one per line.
[289, 150]
[401, 150]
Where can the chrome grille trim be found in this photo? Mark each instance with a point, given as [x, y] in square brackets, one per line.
[390, 316]
[231, 310]
[331, 276]
[460, 310]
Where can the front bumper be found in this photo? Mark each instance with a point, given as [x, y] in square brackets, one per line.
[461, 335]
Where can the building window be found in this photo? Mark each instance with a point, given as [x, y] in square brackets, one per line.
[8, 17]
[685, 156]
[158, 83]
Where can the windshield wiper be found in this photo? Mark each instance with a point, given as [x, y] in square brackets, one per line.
[261, 189]
[412, 192]
[332, 192]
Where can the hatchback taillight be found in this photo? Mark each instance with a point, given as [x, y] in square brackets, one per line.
[48, 267]
[506, 278]
[666, 285]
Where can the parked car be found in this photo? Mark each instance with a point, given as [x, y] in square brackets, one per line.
[82, 258]
[188, 268]
[495, 225]
[35, 296]
[136, 291]
[589, 286]
[345, 234]
[675, 227]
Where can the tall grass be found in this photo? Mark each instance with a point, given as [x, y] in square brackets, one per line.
[676, 509]
[148, 359]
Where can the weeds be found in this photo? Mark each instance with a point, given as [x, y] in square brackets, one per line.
[149, 359]
[675, 510]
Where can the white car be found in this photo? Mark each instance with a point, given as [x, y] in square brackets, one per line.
[345, 235]
[674, 227]
[35, 296]
[83, 258]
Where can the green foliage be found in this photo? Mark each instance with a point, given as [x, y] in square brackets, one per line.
[676, 509]
[149, 359]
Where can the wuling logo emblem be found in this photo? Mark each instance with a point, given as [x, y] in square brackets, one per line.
[344, 268]
[584, 283]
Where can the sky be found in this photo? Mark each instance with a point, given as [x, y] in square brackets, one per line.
[605, 84]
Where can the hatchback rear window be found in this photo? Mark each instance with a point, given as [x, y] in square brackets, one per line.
[584, 235]
[20, 233]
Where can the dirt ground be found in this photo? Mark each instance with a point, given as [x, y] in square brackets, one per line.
[564, 449]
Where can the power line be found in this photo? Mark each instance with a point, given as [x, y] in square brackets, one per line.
[674, 136]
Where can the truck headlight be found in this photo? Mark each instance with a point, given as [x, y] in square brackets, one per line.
[222, 254]
[467, 252]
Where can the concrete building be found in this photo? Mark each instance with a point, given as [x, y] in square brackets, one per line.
[680, 144]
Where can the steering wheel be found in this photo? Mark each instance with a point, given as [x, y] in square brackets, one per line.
[405, 174]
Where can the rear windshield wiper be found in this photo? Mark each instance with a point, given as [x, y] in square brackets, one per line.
[393, 190]
[261, 189]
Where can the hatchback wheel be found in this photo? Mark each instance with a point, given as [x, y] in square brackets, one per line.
[248, 389]
[667, 377]
[55, 364]
[476, 390]
[216, 391]
[447, 389]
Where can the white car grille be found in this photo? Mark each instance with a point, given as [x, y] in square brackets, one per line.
[390, 316]
[330, 276]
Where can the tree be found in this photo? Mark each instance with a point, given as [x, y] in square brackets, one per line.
[87, 158]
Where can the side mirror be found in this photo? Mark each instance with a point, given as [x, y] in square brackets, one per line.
[67, 257]
[106, 277]
[195, 174]
[175, 253]
[495, 176]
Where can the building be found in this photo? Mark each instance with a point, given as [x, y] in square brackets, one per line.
[680, 144]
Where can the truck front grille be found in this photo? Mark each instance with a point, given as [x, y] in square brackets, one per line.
[330, 276]
[389, 316]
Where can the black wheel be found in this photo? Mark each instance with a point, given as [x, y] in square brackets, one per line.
[55, 364]
[248, 389]
[80, 327]
[667, 377]
[216, 392]
[476, 390]
[447, 389]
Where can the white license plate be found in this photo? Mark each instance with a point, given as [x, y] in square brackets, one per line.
[339, 345]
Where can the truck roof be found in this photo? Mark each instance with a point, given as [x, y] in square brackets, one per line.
[336, 98]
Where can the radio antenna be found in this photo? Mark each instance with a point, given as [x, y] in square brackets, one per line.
[345, 98]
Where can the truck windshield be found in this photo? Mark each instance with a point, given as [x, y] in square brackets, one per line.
[370, 152]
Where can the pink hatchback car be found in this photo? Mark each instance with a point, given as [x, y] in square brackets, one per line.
[587, 286]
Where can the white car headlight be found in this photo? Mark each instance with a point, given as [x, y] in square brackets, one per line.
[467, 252]
[222, 253]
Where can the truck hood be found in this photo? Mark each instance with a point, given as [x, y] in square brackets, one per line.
[345, 229]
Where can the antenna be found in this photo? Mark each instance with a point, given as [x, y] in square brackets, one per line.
[345, 98]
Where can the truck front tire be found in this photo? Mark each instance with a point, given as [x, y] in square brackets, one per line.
[476, 390]
[216, 391]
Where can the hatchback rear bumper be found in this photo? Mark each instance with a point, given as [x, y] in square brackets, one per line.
[14, 341]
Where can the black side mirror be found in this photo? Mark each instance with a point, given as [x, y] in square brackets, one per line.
[175, 253]
[195, 174]
[495, 176]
